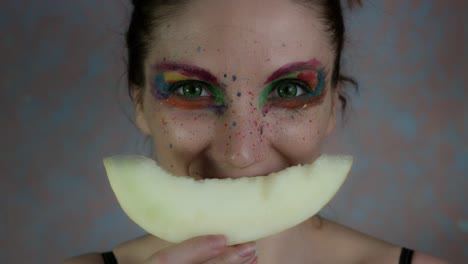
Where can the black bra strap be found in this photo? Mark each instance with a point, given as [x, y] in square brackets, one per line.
[406, 256]
[109, 258]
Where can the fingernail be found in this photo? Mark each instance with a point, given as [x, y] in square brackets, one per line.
[247, 250]
[217, 241]
[254, 260]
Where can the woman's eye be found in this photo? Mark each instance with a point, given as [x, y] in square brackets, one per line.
[192, 89]
[289, 89]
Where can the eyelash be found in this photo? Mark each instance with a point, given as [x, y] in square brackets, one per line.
[296, 82]
[177, 87]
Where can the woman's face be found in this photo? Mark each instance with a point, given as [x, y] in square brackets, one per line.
[238, 88]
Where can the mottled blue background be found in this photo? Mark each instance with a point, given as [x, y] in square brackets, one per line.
[64, 103]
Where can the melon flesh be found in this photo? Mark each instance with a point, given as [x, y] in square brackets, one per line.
[176, 208]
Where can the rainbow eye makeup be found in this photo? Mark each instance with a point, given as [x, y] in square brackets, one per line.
[295, 85]
[187, 87]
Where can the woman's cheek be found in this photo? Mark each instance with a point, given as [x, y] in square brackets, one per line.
[298, 135]
[180, 135]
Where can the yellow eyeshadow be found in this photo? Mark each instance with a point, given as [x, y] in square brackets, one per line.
[174, 77]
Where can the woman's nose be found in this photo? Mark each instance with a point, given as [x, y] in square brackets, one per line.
[240, 141]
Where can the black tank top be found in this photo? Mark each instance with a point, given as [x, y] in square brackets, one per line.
[405, 257]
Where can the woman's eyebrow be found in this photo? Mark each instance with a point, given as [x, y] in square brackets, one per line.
[188, 70]
[292, 67]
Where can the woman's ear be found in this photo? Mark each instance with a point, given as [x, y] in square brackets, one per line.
[141, 122]
[334, 111]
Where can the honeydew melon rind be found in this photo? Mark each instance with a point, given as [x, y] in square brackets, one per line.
[176, 208]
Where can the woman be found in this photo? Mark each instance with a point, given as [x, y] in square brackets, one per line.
[231, 89]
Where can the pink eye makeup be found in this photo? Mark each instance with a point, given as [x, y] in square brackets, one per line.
[295, 85]
[187, 87]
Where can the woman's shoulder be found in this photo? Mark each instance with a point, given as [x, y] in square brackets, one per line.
[368, 249]
[139, 249]
[133, 251]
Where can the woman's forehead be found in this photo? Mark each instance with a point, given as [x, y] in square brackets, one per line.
[241, 36]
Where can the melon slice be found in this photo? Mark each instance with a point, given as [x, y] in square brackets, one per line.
[176, 208]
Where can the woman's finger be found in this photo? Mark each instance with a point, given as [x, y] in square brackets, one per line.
[240, 254]
[195, 250]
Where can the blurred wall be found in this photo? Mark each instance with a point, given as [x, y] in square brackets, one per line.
[64, 103]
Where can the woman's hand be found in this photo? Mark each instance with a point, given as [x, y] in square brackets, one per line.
[205, 250]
